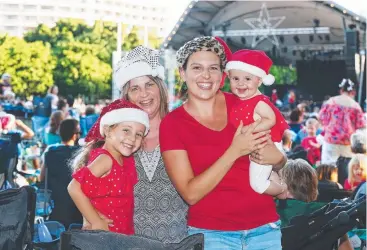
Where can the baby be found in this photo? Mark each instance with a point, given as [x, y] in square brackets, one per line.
[247, 70]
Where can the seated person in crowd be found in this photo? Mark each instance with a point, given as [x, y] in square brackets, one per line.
[328, 177]
[287, 141]
[9, 124]
[303, 133]
[51, 134]
[63, 106]
[72, 112]
[296, 119]
[358, 146]
[56, 160]
[310, 144]
[302, 182]
[356, 171]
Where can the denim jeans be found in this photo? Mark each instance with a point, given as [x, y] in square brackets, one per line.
[267, 236]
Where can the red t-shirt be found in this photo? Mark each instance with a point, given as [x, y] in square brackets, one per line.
[232, 204]
[313, 154]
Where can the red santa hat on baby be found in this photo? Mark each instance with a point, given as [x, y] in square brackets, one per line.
[116, 112]
[255, 62]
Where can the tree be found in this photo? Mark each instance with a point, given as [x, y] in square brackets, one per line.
[80, 71]
[30, 65]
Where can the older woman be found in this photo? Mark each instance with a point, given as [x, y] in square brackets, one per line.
[160, 212]
[207, 158]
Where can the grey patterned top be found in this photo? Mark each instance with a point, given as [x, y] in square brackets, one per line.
[160, 212]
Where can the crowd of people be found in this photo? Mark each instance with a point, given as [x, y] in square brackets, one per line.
[215, 165]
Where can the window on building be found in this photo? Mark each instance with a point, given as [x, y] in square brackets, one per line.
[45, 7]
[65, 9]
[30, 18]
[11, 6]
[12, 17]
[30, 7]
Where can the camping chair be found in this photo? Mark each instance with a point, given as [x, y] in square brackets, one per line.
[322, 229]
[17, 208]
[96, 240]
[8, 157]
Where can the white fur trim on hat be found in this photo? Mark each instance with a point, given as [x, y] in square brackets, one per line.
[137, 69]
[124, 115]
[266, 79]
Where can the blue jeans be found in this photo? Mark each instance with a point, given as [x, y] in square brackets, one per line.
[264, 237]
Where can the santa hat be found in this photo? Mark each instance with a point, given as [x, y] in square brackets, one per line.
[228, 53]
[116, 112]
[140, 61]
[255, 62]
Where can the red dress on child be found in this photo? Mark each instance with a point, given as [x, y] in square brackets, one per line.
[113, 194]
[313, 154]
[244, 110]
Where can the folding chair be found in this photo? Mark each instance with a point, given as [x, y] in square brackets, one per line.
[17, 208]
[96, 240]
[322, 229]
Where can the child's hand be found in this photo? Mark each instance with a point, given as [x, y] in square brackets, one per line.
[100, 225]
[86, 224]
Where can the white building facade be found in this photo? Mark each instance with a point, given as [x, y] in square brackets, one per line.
[19, 16]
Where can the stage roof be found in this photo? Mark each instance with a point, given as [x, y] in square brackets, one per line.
[296, 25]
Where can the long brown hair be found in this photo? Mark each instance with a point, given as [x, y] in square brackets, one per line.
[163, 106]
[325, 172]
[81, 156]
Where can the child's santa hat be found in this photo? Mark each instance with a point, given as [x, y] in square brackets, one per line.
[255, 62]
[116, 112]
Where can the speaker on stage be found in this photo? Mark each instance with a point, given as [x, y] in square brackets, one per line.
[351, 48]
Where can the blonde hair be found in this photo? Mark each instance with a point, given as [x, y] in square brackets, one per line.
[163, 106]
[301, 179]
[357, 159]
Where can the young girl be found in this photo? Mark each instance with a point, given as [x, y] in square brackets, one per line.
[357, 171]
[104, 172]
[310, 143]
[247, 69]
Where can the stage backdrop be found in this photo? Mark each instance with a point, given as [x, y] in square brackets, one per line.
[319, 78]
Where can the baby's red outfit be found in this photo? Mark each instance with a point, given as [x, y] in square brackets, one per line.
[112, 195]
[244, 110]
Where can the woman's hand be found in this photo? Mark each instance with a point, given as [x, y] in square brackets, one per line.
[269, 155]
[245, 141]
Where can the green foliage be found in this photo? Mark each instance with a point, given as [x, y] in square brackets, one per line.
[283, 74]
[72, 55]
[30, 65]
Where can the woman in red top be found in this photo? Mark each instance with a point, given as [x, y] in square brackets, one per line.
[207, 159]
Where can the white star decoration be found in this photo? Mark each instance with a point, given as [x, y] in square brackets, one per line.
[265, 23]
